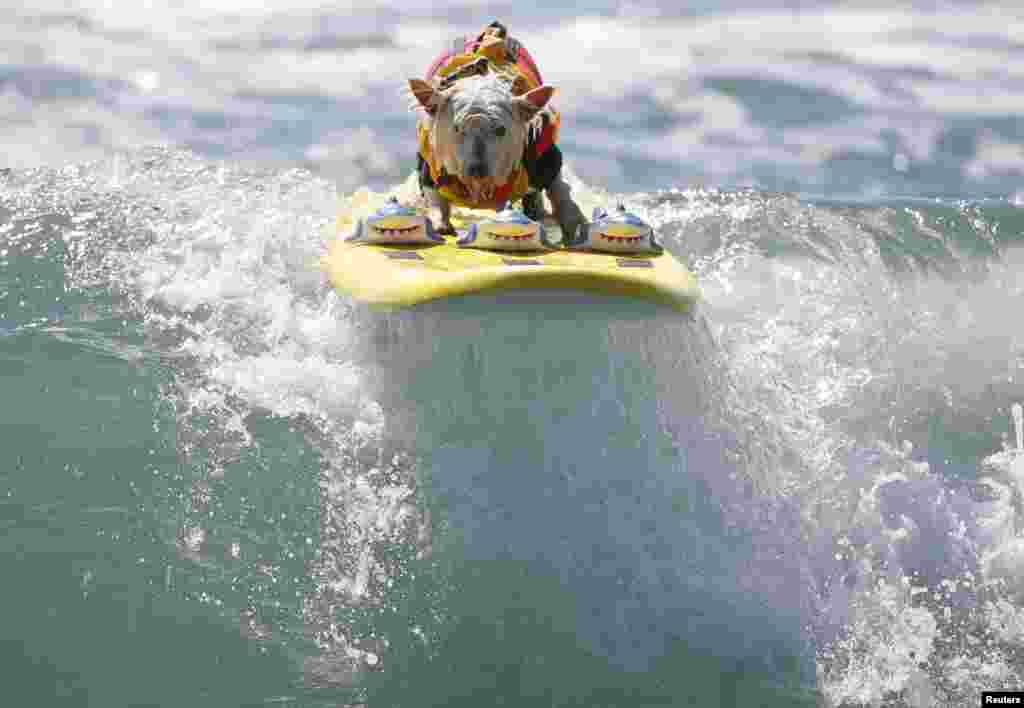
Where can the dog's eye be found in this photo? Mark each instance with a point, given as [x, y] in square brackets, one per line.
[500, 131]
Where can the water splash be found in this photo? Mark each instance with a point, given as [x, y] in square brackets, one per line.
[1018, 425]
[831, 347]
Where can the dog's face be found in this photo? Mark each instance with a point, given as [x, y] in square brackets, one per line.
[478, 128]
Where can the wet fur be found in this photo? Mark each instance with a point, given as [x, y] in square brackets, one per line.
[478, 127]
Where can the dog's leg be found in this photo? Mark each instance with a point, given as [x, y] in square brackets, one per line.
[444, 208]
[567, 213]
[533, 206]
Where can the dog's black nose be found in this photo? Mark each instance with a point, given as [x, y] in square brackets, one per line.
[476, 169]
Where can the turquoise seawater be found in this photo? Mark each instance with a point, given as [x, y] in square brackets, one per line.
[224, 484]
[106, 600]
[202, 508]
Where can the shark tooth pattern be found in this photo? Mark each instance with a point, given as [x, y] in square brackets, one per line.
[510, 237]
[621, 239]
[395, 232]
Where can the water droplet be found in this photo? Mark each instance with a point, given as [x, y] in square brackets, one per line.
[1018, 425]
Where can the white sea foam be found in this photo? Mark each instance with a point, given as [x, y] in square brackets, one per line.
[841, 356]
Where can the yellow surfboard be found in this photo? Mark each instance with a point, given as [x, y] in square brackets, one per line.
[393, 276]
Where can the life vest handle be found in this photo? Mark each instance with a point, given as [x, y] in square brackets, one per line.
[515, 53]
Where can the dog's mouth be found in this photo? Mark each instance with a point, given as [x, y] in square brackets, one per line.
[481, 181]
[481, 187]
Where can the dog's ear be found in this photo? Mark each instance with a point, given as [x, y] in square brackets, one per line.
[531, 102]
[426, 95]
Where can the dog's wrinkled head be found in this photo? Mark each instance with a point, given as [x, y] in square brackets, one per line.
[478, 127]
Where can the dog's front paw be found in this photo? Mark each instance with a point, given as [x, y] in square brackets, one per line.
[533, 206]
[569, 221]
[446, 229]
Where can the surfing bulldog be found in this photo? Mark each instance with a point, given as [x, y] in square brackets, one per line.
[487, 132]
